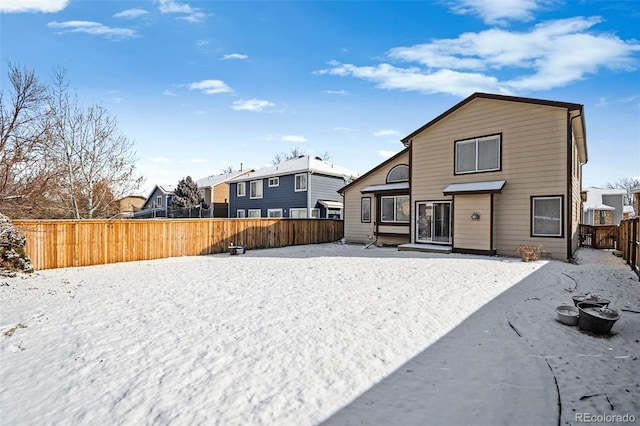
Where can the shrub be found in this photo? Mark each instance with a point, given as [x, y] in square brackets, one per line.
[529, 253]
[12, 253]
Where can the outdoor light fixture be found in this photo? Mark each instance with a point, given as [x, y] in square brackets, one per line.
[475, 216]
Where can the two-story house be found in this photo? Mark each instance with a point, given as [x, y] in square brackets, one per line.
[303, 187]
[603, 206]
[157, 203]
[214, 191]
[491, 173]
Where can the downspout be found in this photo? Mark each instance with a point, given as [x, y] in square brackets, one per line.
[570, 183]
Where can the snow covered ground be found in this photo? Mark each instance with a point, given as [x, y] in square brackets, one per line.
[283, 336]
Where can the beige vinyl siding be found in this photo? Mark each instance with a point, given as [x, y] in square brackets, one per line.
[355, 231]
[576, 187]
[472, 234]
[221, 193]
[533, 162]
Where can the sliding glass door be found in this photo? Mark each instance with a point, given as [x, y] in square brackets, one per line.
[433, 222]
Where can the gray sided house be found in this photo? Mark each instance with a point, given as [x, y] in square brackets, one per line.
[303, 187]
[157, 203]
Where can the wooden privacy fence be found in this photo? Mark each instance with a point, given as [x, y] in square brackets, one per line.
[63, 243]
[629, 242]
[599, 236]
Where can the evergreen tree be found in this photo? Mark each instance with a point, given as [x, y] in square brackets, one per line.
[186, 194]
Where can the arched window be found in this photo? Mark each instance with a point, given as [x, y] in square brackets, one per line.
[398, 174]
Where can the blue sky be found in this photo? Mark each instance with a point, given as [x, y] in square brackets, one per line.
[202, 85]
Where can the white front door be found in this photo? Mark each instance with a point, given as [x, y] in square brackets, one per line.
[433, 222]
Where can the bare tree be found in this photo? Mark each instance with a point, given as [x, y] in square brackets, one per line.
[628, 184]
[229, 169]
[96, 162]
[25, 170]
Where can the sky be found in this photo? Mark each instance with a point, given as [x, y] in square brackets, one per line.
[200, 86]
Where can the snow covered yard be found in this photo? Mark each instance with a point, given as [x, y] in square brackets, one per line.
[280, 336]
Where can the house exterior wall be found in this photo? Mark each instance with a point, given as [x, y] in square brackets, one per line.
[323, 187]
[282, 196]
[534, 158]
[356, 231]
[221, 193]
[576, 195]
[472, 234]
[616, 201]
[151, 201]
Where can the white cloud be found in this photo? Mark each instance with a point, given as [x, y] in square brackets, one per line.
[93, 28]
[386, 154]
[201, 43]
[387, 132]
[163, 160]
[234, 56]
[499, 11]
[211, 87]
[131, 13]
[551, 54]
[335, 92]
[252, 105]
[190, 14]
[294, 138]
[46, 6]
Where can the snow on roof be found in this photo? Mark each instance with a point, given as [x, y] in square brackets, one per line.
[491, 186]
[594, 198]
[386, 187]
[305, 163]
[214, 180]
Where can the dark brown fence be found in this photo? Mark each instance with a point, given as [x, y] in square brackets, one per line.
[599, 236]
[629, 242]
[63, 243]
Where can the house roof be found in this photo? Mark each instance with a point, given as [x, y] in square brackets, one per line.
[594, 198]
[384, 163]
[211, 181]
[577, 110]
[475, 187]
[304, 163]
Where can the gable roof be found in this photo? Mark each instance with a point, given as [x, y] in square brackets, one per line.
[594, 198]
[577, 110]
[214, 180]
[304, 163]
[379, 166]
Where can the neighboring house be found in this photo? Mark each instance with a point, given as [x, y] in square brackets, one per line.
[130, 204]
[636, 201]
[603, 206]
[303, 187]
[492, 173]
[215, 192]
[157, 203]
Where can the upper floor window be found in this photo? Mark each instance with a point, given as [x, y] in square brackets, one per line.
[256, 189]
[398, 174]
[159, 201]
[274, 181]
[478, 155]
[242, 189]
[301, 182]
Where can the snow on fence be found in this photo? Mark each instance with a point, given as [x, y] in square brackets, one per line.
[64, 243]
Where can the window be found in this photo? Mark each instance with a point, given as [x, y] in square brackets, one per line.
[240, 213]
[242, 189]
[298, 213]
[256, 189]
[395, 209]
[546, 216]
[255, 213]
[274, 213]
[365, 209]
[159, 201]
[398, 174]
[274, 181]
[478, 155]
[301, 182]
[315, 213]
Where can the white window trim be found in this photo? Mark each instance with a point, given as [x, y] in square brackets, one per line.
[395, 210]
[258, 182]
[476, 142]
[276, 181]
[298, 210]
[159, 201]
[560, 216]
[269, 211]
[240, 213]
[295, 182]
[315, 213]
[253, 211]
[243, 192]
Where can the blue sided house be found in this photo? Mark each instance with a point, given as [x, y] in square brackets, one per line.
[303, 187]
